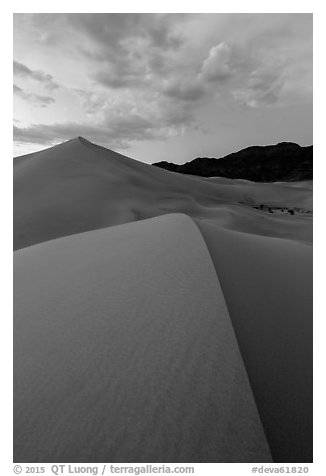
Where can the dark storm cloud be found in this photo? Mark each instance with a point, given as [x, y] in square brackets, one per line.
[44, 78]
[42, 100]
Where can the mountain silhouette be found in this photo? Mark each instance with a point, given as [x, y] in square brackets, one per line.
[284, 162]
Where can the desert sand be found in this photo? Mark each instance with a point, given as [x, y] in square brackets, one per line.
[179, 338]
[78, 186]
[267, 284]
[126, 351]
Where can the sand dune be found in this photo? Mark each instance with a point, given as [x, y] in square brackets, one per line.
[124, 329]
[297, 194]
[78, 186]
[125, 351]
[267, 284]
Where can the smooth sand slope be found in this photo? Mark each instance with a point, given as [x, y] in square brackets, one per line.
[78, 186]
[125, 352]
[267, 284]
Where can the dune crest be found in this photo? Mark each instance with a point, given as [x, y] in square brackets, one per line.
[125, 352]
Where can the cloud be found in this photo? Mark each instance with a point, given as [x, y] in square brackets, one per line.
[264, 88]
[17, 90]
[44, 78]
[184, 90]
[50, 134]
[132, 77]
[136, 115]
[35, 98]
[200, 79]
[118, 77]
[217, 66]
[108, 30]
[129, 50]
[116, 129]
[117, 135]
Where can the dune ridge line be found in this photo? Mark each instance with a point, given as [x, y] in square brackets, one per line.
[137, 359]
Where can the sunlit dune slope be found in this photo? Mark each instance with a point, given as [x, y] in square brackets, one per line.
[125, 352]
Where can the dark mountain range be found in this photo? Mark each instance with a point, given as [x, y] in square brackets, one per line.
[285, 161]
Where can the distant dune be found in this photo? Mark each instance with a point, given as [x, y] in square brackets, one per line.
[182, 338]
[78, 186]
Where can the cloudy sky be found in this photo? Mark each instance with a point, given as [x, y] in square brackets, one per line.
[162, 86]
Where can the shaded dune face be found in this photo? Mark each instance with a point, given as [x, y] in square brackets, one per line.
[78, 186]
[125, 352]
[267, 284]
